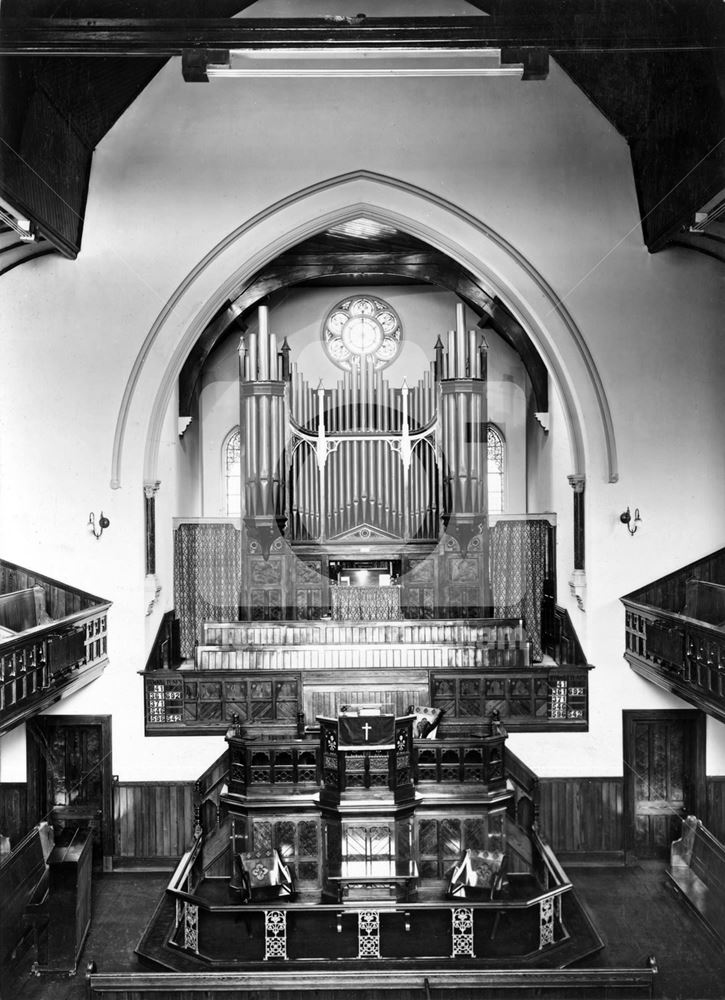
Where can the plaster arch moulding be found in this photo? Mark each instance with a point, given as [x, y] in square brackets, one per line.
[217, 278]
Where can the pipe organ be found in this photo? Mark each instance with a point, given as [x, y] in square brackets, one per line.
[364, 469]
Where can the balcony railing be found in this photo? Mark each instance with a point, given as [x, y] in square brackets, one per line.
[675, 633]
[53, 641]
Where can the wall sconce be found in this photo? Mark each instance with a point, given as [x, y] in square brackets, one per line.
[103, 522]
[627, 519]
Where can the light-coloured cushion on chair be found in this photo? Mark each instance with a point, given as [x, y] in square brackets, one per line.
[426, 721]
[484, 866]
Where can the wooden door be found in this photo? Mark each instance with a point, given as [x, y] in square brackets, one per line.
[664, 778]
[69, 777]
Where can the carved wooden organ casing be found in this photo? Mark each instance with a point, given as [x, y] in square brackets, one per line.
[364, 470]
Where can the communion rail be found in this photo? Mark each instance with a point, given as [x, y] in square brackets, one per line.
[436, 930]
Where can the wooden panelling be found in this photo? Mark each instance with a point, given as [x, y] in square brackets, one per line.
[13, 810]
[166, 650]
[669, 593]
[715, 819]
[327, 701]
[153, 820]
[582, 817]
[61, 599]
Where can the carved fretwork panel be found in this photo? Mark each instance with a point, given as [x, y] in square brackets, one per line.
[297, 841]
[442, 840]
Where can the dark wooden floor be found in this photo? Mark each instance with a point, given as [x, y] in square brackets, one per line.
[635, 910]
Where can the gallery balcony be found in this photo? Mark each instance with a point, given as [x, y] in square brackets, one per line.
[675, 633]
[52, 642]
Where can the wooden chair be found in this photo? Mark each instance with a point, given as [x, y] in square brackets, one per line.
[478, 875]
[264, 878]
[426, 721]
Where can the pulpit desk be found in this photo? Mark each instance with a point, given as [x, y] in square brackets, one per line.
[360, 880]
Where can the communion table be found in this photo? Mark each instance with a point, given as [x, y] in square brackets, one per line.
[366, 603]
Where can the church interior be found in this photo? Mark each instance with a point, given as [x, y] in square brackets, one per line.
[362, 566]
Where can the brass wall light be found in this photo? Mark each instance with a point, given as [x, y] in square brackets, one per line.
[627, 520]
[103, 522]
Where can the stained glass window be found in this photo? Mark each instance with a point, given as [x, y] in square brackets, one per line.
[496, 470]
[233, 474]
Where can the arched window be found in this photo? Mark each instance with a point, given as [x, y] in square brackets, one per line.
[496, 470]
[232, 459]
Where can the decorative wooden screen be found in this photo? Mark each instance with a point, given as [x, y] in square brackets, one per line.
[207, 701]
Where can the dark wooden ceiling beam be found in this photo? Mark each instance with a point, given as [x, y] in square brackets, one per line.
[656, 27]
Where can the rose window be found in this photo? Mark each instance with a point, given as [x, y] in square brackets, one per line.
[362, 327]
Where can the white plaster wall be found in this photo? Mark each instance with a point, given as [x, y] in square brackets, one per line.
[188, 164]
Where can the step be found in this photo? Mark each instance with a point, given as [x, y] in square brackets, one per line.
[481, 631]
[370, 656]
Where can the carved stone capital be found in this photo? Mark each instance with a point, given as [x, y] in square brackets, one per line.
[578, 588]
[152, 592]
[577, 482]
[151, 489]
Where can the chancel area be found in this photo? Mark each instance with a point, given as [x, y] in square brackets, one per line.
[362, 581]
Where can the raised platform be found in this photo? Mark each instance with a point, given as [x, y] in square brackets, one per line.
[430, 934]
[274, 673]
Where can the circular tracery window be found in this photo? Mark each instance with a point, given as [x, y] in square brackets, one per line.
[362, 327]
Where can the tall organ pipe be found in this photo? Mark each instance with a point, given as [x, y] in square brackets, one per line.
[252, 354]
[472, 355]
[263, 317]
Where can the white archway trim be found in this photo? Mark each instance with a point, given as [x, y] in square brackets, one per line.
[500, 267]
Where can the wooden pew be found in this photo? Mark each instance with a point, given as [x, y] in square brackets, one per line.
[398, 984]
[23, 873]
[697, 870]
[23, 609]
[705, 602]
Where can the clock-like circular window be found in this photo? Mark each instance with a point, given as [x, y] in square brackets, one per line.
[362, 327]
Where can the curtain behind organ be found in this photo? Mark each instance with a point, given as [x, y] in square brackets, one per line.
[518, 565]
[207, 578]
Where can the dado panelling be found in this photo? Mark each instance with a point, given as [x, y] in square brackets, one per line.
[153, 820]
[13, 811]
[582, 816]
[715, 821]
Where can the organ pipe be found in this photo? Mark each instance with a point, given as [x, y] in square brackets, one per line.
[363, 455]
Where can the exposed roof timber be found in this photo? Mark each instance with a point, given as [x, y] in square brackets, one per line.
[54, 112]
[713, 246]
[666, 100]
[15, 251]
[431, 268]
[627, 27]
[670, 109]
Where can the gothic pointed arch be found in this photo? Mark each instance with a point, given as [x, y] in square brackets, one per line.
[500, 267]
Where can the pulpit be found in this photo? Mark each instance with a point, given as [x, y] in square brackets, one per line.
[367, 801]
[366, 747]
